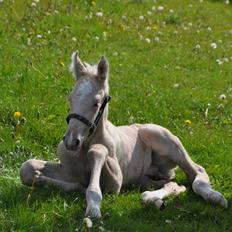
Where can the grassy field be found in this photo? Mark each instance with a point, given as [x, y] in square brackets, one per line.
[170, 61]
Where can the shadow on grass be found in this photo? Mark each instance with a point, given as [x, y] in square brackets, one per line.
[124, 212]
[186, 212]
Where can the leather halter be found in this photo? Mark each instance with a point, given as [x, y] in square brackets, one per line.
[94, 125]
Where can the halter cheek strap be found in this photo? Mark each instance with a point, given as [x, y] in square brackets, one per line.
[94, 125]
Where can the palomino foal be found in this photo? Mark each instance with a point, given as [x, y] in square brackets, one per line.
[97, 156]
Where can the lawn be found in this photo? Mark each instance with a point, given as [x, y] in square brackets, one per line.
[170, 61]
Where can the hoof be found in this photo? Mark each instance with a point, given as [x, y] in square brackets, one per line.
[93, 211]
[217, 198]
[148, 197]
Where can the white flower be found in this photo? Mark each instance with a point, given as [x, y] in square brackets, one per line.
[1, 1]
[171, 11]
[190, 24]
[49, 32]
[74, 39]
[36, 1]
[96, 38]
[149, 13]
[209, 28]
[153, 8]
[226, 59]
[156, 39]
[222, 97]
[115, 53]
[198, 46]
[147, 40]
[88, 223]
[160, 8]
[39, 36]
[99, 14]
[213, 45]
[141, 17]
[124, 17]
[33, 4]
[168, 221]
[176, 86]
[219, 62]
[227, 2]
[28, 41]
[175, 32]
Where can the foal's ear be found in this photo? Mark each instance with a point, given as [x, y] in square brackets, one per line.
[103, 68]
[76, 67]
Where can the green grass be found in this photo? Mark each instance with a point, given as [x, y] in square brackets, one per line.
[35, 80]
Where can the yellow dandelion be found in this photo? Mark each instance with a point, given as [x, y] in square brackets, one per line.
[17, 115]
[122, 27]
[154, 28]
[188, 122]
[104, 33]
[61, 64]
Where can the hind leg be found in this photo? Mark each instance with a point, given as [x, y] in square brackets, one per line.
[156, 197]
[38, 173]
[170, 147]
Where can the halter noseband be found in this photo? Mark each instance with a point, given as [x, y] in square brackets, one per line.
[94, 125]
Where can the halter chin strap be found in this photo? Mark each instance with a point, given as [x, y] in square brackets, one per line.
[94, 125]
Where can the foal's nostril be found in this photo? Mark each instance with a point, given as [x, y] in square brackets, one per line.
[77, 142]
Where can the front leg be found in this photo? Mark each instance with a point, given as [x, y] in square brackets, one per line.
[35, 172]
[97, 157]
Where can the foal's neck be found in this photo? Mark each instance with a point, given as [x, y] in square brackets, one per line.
[101, 128]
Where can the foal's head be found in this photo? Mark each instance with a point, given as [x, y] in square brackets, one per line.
[85, 99]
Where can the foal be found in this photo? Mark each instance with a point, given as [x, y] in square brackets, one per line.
[97, 156]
